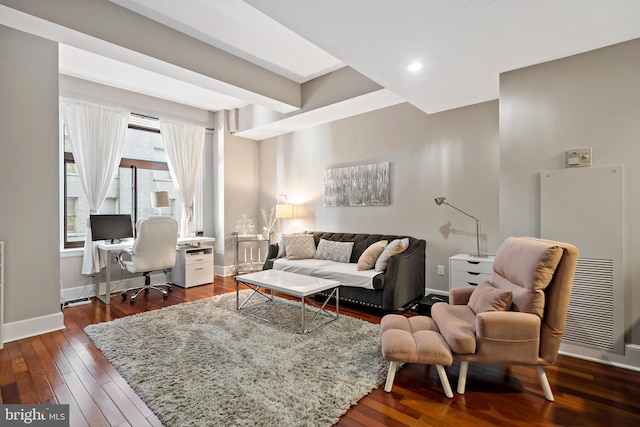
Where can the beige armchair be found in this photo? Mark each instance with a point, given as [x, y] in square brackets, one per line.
[518, 317]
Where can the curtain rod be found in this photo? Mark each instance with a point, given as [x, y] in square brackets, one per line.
[144, 116]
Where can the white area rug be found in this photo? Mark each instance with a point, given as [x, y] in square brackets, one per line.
[204, 364]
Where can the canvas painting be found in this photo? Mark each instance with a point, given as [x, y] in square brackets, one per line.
[365, 185]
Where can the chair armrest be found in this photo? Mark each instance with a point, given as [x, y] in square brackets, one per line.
[460, 296]
[508, 326]
[405, 277]
[129, 253]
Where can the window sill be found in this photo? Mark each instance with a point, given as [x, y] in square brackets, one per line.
[71, 253]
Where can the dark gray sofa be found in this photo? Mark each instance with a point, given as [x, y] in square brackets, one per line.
[402, 283]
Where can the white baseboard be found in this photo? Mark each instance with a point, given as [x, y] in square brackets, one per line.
[225, 270]
[629, 360]
[14, 331]
[428, 291]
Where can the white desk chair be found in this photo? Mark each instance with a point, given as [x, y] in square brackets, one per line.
[153, 249]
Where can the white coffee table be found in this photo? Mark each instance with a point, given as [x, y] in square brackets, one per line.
[296, 285]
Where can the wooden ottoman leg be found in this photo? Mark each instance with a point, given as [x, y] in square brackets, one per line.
[393, 367]
[445, 381]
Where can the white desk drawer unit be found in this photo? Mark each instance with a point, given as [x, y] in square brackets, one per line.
[466, 270]
[194, 266]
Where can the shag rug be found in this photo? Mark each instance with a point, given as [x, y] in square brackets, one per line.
[204, 364]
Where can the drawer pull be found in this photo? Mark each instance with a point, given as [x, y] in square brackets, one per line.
[472, 284]
[473, 273]
[200, 259]
[200, 268]
[474, 262]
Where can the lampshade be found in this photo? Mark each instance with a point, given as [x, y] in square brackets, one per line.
[285, 211]
[160, 199]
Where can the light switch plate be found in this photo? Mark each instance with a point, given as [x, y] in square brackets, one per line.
[577, 157]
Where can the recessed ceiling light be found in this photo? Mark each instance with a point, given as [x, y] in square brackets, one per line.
[415, 66]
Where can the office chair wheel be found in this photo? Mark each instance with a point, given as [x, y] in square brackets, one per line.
[165, 296]
[124, 295]
[132, 300]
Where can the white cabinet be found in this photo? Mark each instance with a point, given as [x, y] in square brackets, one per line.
[194, 266]
[466, 270]
[1, 292]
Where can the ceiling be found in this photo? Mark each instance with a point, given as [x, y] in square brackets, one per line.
[463, 45]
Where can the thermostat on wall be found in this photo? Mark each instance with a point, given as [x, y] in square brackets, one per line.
[577, 157]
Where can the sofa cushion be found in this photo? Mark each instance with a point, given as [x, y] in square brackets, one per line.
[394, 248]
[334, 251]
[526, 268]
[343, 272]
[457, 324]
[487, 298]
[369, 257]
[299, 246]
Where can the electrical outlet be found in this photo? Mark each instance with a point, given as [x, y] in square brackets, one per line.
[578, 157]
[441, 270]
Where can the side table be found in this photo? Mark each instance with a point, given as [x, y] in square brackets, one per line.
[467, 270]
[250, 252]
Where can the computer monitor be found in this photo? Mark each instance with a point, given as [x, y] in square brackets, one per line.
[111, 227]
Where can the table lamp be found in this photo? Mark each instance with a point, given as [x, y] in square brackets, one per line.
[159, 200]
[284, 209]
[441, 201]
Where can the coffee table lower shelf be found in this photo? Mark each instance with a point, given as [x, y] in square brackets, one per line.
[295, 285]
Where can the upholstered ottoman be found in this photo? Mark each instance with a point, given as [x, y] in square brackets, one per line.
[414, 340]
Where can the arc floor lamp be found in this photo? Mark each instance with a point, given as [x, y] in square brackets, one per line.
[442, 201]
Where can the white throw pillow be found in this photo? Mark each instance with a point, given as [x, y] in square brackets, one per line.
[281, 251]
[370, 255]
[394, 248]
[300, 246]
[334, 251]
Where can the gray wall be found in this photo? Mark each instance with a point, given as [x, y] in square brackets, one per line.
[587, 100]
[453, 154]
[29, 169]
[240, 178]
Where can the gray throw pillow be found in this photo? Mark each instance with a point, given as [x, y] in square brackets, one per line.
[334, 251]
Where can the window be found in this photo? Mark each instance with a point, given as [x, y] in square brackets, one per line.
[72, 214]
[143, 170]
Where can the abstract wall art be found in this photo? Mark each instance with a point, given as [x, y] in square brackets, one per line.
[364, 185]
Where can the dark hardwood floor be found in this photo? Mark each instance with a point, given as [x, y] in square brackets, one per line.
[65, 367]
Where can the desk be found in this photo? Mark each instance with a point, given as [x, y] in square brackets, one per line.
[109, 248]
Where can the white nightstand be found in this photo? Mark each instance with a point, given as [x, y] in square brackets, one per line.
[466, 270]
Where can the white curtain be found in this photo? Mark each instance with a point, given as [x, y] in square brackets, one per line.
[97, 137]
[184, 144]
